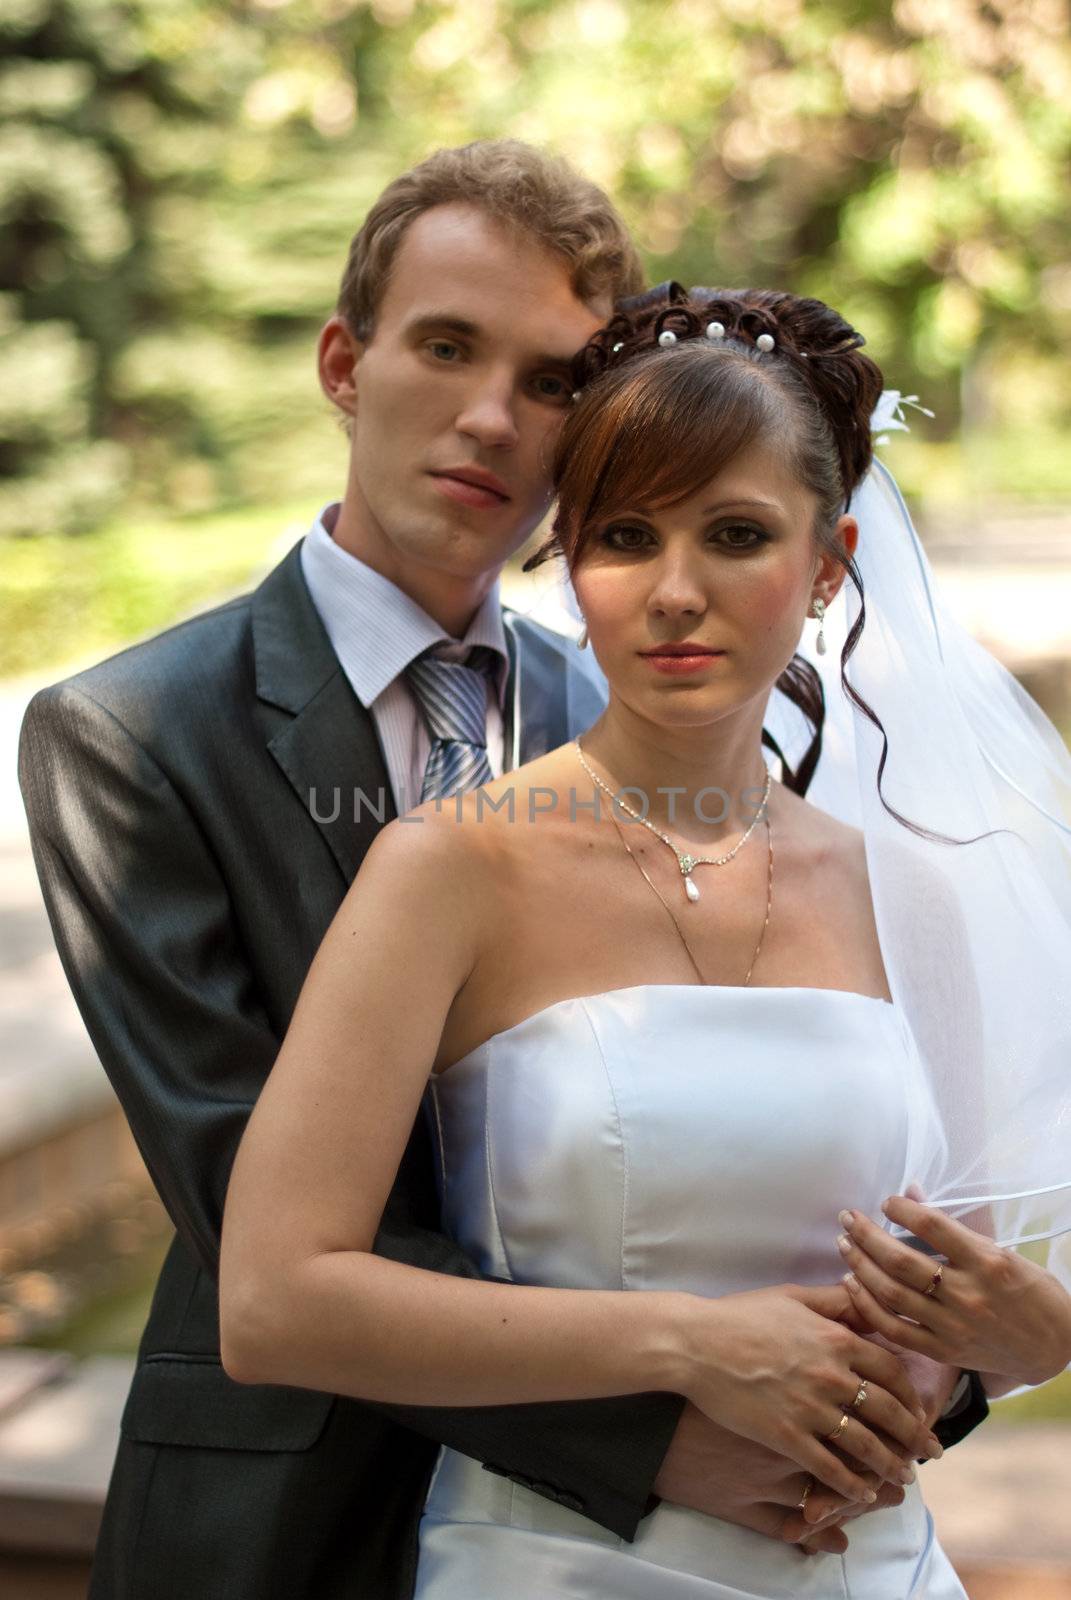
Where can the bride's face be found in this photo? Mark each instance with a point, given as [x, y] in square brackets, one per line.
[732, 570]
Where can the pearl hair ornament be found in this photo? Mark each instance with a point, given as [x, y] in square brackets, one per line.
[714, 331]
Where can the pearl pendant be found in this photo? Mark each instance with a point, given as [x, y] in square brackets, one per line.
[820, 643]
[690, 889]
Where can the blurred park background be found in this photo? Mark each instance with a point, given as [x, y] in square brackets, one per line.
[179, 181]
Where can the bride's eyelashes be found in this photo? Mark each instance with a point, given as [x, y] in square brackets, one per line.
[633, 537]
[626, 536]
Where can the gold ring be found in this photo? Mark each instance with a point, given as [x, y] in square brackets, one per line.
[861, 1396]
[839, 1429]
[935, 1281]
[806, 1492]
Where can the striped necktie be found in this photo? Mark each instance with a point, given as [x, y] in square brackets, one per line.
[453, 698]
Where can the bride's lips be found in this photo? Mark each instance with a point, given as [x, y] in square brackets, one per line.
[681, 658]
[472, 486]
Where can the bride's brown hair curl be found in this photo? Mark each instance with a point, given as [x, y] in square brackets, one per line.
[652, 424]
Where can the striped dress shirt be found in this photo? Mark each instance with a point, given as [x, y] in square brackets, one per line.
[376, 631]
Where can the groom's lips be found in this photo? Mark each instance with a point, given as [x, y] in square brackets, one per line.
[472, 486]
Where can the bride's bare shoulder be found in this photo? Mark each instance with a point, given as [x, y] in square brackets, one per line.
[828, 842]
[474, 833]
[817, 836]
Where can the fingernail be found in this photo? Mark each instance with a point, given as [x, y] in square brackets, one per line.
[845, 1219]
[906, 1475]
[851, 1280]
[844, 1244]
[870, 1497]
[934, 1448]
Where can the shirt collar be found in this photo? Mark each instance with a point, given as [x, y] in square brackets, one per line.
[375, 629]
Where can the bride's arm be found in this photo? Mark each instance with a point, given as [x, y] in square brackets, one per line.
[304, 1301]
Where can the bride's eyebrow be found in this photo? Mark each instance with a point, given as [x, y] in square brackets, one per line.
[734, 505]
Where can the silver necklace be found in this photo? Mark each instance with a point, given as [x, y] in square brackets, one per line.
[686, 862]
[676, 924]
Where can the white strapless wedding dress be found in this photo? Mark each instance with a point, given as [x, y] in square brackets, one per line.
[672, 1137]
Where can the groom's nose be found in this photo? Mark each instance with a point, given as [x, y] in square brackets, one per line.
[488, 413]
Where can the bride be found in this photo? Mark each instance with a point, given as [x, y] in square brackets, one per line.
[680, 1029]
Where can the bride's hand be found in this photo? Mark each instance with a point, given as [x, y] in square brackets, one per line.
[991, 1310]
[778, 1367]
[934, 1383]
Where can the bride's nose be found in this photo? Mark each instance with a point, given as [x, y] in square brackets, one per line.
[677, 591]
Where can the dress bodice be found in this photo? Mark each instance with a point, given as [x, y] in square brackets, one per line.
[672, 1137]
[675, 1136]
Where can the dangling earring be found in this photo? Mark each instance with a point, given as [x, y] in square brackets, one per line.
[820, 612]
[582, 638]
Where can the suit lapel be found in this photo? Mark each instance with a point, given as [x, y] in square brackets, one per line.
[552, 701]
[325, 742]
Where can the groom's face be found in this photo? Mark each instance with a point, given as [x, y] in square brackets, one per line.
[459, 394]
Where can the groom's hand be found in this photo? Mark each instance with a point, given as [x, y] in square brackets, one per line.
[711, 1470]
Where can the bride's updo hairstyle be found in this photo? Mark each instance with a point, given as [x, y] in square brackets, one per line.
[676, 385]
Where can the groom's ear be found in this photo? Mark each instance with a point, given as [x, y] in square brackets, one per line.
[338, 351]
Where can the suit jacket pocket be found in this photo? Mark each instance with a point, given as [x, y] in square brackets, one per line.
[186, 1400]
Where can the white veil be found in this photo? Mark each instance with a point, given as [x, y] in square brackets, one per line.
[976, 937]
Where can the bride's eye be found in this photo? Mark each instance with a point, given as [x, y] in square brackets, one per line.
[625, 536]
[739, 536]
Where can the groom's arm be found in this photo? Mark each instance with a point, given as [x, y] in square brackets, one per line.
[142, 921]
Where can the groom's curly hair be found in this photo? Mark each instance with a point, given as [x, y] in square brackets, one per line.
[522, 188]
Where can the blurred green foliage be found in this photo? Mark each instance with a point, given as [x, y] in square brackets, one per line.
[111, 1323]
[179, 180]
[1050, 1403]
[61, 601]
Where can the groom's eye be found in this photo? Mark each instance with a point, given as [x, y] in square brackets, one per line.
[444, 350]
[550, 386]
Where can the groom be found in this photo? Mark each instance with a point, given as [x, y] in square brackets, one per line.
[198, 806]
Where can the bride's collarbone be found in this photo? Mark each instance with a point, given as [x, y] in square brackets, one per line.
[571, 915]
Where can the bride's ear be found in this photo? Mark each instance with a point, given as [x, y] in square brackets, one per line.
[829, 574]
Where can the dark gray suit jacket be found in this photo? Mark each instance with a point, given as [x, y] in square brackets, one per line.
[189, 884]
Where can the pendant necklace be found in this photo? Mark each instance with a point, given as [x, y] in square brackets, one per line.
[676, 924]
[685, 861]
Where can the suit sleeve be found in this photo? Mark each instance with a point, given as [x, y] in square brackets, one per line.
[142, 920]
